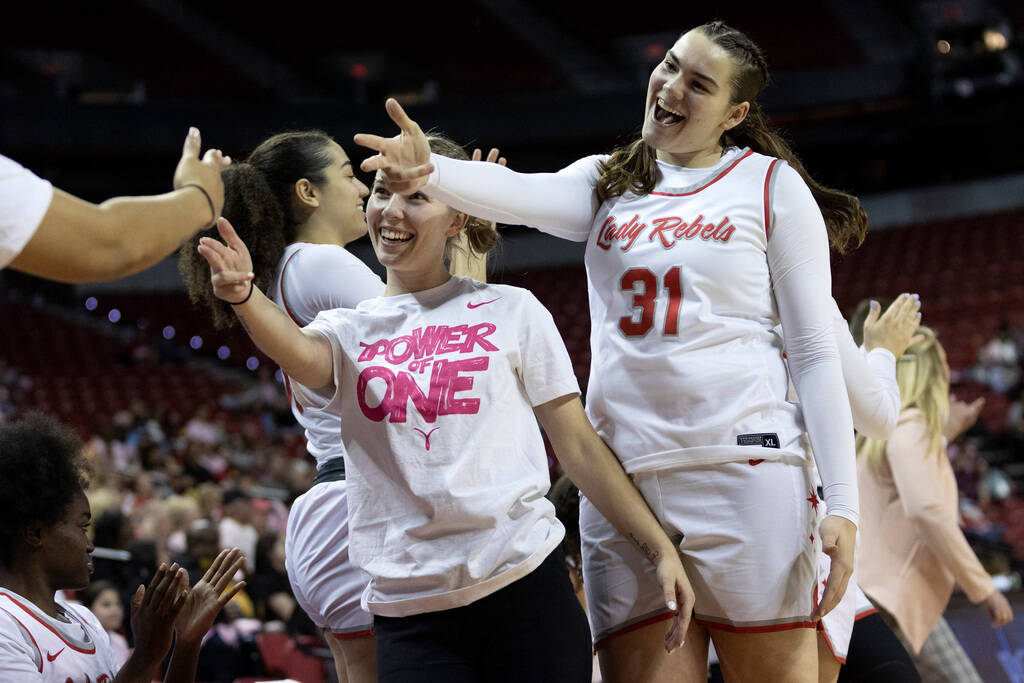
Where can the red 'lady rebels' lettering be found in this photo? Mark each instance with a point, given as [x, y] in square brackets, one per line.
[668, 229]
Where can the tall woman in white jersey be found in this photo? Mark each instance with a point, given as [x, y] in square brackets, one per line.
[701, 237]
[440, 384]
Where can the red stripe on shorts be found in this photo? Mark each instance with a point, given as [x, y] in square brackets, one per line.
[632, 627]
[354, 634]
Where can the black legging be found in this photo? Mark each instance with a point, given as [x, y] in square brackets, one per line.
[876, 655]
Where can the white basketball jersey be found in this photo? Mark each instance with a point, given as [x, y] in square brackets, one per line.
[683, 319]
[37, 647]
[311, 278]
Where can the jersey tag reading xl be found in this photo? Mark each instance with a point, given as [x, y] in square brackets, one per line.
[762, 440]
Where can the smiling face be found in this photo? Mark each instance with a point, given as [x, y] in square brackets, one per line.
[340, 197]
[66, 547]
[689, 102]
[409, 233]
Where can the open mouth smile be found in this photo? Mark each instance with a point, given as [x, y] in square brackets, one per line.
[665, 114]
[390, 235]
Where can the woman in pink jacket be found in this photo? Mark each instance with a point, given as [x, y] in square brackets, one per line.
[912, 548]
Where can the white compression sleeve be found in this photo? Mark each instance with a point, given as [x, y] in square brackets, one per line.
[562, 204]
[870, 383]
[798, 258]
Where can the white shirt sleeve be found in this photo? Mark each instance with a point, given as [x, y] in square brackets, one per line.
[24, 200]
[798, 258]
[562, 204]
[870, 383]
[323, 277]
[544, 365]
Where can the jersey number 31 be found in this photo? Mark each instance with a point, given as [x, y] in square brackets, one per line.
[643, 285]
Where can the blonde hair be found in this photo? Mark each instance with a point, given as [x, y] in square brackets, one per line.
[924, 384]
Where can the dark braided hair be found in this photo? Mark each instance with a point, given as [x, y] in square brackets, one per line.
[258, 200]
[633, 167]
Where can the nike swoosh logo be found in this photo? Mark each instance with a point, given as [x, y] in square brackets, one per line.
[50, 657]
[755, 463]
[470, 304]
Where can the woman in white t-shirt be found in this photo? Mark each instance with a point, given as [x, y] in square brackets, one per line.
[440, 384]
[297, 203]
[702, 236]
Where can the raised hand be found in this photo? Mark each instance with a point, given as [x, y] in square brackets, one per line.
[230, 263]
[838, 537]
[153, 611]
[492, 156]
[404, 160]
[207, 598]
[894, 330]
[205, 172]
[962, 416]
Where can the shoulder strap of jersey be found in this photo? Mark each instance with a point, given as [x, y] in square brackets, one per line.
[769, 193]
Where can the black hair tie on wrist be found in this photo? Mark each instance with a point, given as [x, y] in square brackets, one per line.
[213, 212]
[252, 286]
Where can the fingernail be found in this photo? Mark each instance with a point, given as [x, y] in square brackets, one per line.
[193, 131]
[874, 304]
[252, 275]
[918, 316]
[672, 605]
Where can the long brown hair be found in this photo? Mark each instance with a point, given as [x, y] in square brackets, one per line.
[258, 202]
[633, 167]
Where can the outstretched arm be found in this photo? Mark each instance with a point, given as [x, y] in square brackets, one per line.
[597, 473]
[303, 355]
[466, 262]
[562, 204]
[870, 373]
[77, 241]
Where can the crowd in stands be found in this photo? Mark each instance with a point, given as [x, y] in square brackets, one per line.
[179, 485]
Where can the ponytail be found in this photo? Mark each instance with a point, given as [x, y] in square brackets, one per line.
[258, 218]
[845, 219]
[258, 203]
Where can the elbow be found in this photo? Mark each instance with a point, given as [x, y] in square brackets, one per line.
[925, 516]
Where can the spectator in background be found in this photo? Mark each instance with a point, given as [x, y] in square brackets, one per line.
[103, 598]
[236, 529]
[998, 363]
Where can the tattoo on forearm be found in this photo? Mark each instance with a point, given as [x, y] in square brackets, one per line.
[649, 553]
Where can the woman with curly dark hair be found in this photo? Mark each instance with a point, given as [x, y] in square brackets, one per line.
[45, 548]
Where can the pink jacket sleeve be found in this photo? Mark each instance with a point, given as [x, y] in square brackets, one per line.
[923, 476]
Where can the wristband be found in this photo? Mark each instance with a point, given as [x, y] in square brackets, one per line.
[252, 286]
[213, 212]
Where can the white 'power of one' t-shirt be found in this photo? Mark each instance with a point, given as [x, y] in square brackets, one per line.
[447, 469]
[24, 199]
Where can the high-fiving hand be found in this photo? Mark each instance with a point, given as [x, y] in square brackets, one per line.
[404, 160]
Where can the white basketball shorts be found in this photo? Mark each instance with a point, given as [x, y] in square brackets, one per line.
[747, 537]
[325, 582]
